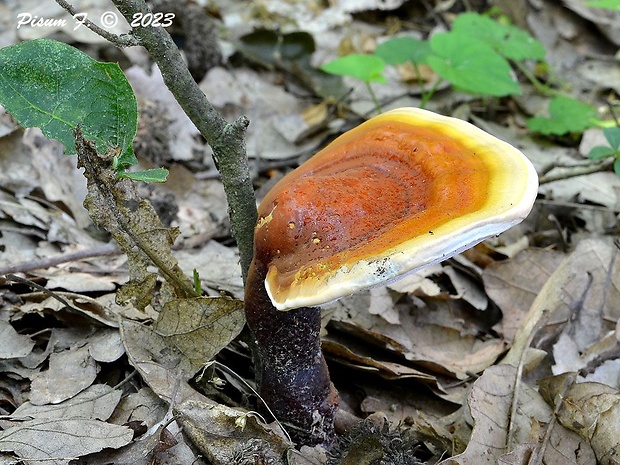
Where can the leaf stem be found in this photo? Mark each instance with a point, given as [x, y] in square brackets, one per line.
[427, 95]
[374, 97]
[544, 89]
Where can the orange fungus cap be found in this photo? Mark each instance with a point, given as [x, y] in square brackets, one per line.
[404, 190]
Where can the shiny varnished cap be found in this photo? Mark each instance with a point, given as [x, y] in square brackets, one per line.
[403, 190]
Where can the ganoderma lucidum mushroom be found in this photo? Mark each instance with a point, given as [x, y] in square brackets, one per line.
[404, 190]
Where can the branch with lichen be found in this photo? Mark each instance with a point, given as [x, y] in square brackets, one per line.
[226, 139]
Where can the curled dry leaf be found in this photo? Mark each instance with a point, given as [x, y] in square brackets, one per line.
[590, 409]
[467, 288]
[71, 308]
[429, 336]
[163, 443]
[358, 356]
[224, 434]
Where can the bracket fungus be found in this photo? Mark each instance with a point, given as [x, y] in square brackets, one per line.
[403, 190]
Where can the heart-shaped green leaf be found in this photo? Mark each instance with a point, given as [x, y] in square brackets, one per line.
[471, 65]
[613, 137]
[51, 85]
[402, 49]
[565, 115]
[368, 68]
[510, 41]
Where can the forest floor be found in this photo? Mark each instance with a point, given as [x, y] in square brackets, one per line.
[507, 353]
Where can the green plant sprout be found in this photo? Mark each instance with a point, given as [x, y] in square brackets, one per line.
[510, 42]
[366, 68]
[475, 57]
[566, 115]
[401, 50]
[56, 87]
[607, 4]
[612, 135]
[196, 279]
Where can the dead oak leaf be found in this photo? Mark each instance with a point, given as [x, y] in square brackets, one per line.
[56, 441]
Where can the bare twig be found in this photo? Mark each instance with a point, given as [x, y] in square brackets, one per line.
[124, 40]
[23, 267]
[578, 170]
[38, 287]
[226, 139]
[518, 379]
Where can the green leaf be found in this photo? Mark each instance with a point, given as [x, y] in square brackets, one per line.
[613, 137]
[608, 4]
[51, 85]
[471, 65]
[152, 175]
[601, 151]
[509, 41]
[402, 49]
[197, 286]
[565, 115]
[617, 166]
[368, 68]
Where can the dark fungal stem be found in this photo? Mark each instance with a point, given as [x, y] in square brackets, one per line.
[291, 373]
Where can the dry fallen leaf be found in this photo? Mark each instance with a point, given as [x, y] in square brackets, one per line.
[199, 328]
[105, 345]
[97, 402]
[163, 443]
[217, 430]
[357, 356]
[150, 86]
[56, 441]
[514, 284]
[72, 308]
[13, 345]
[497, 433]
[217, 266]
[590, 409]
[263, 103]
[223, 433]
[433, 335]
[70, 372]
[135, 226]
[581, 295]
